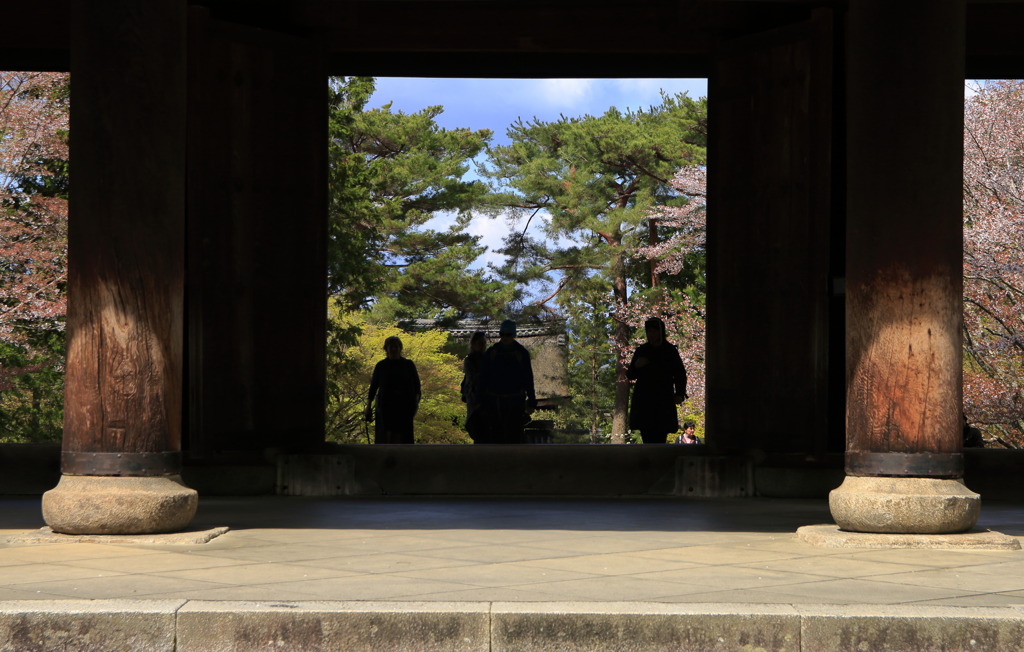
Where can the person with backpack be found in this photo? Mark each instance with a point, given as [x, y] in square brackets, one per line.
[506, 387]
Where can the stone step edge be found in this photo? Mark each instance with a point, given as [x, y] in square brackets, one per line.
[190, 625]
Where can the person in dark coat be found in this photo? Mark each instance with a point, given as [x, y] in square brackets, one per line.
[396, 385]
[506, 387]
[476, 423]
[660, 385]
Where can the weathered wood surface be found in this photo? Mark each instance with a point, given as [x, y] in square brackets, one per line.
[257, 239]
[513, 38]
[904, 232]
[771, 377]
[126, 229]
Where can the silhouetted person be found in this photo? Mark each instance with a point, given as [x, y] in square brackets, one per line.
[660, 385]
[476, 422]
[506, 384]
[972, 436]
[396, 385]
[689, 435]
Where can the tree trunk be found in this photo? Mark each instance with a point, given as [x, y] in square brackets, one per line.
[620, 420]
[593, 400]
[652, 240]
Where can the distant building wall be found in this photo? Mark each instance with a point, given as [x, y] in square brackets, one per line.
[544, 339]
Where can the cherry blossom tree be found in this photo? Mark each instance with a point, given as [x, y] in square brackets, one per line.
[994, 261]
[675, 259]
[34, 112]
[33, 203]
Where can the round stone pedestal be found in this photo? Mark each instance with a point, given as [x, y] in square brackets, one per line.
[904, 505]
[86, 504]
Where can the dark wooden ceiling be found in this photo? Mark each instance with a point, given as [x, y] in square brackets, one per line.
[504, 38]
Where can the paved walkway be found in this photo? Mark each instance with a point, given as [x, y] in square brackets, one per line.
[682, 554]
[677, 551]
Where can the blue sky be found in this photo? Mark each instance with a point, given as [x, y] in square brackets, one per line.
[496, 103]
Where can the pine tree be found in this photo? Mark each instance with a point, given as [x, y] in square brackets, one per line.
[584, 186]
[391, 173]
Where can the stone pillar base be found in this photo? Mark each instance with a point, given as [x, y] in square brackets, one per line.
[904, 505]
[87, 504]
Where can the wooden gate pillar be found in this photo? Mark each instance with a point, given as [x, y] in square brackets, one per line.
[770, 249]
[905, 75]
[121, 454]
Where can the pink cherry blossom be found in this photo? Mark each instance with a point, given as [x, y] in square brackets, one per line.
[994, 261]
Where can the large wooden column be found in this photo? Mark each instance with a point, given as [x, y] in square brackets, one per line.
[904, 271]
[772, 245]
[122, 427]
[256, 298]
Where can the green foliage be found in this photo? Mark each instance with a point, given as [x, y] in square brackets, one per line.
[591, 369]
[32, 390]
[390, 174]
[350, 365]
[596, 176]
[589, 184]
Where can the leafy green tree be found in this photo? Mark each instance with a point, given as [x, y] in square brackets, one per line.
[390, 174]
[32, 390]
[591, 369]
[441, 411]
[588, 184]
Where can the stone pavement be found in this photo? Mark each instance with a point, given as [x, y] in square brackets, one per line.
[504, 574]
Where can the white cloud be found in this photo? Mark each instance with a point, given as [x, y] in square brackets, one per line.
[643, 93]
[638, 86]
[492, 232]
[564, 93]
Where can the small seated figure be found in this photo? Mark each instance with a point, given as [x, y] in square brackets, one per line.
[972, 436]
[688, 436]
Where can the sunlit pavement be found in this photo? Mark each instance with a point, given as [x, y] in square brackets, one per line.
[674, 555]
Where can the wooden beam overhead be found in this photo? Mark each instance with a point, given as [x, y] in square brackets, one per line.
[505, 38]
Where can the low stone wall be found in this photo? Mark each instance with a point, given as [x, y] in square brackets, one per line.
[206, 626]
[557, 470]
[553, 470]
[29, 468]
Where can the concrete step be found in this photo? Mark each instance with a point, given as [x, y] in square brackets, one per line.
[193, 626]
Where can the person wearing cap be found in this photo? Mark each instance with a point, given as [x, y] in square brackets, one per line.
[660, 385]
[506, 387]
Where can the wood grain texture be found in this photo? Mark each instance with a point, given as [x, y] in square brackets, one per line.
[126, 228]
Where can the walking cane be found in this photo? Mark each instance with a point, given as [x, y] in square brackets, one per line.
[366, 427]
